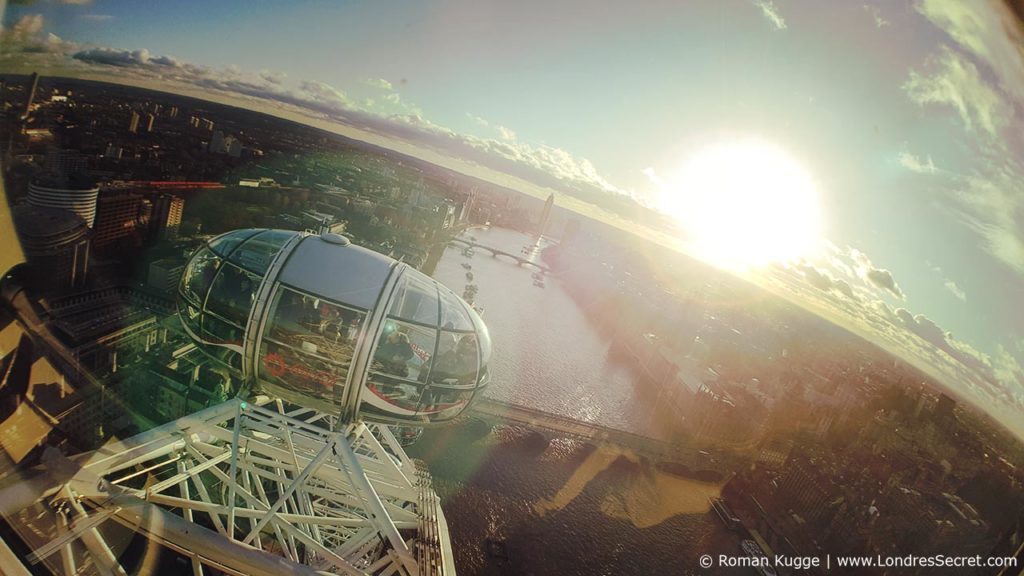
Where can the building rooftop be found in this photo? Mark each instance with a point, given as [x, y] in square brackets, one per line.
[33, 222]
[74, 181]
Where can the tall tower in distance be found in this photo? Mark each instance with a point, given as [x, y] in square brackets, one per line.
[33, 84]
[166, 219]
[133, 125]
[545, 215]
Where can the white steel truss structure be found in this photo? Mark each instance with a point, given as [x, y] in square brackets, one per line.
[240, 488]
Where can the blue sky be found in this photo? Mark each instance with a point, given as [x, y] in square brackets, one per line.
[906, 114]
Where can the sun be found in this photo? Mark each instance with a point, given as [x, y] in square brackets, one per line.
[744, 204]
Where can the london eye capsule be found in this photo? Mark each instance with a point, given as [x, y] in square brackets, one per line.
[328, 325]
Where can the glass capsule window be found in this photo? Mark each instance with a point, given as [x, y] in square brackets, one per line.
[225, 244]
[400, 367]
[309, 343]
[454, 315]
[220, 331]
[428, 357]
[199, 276]
[233, 293]
[257, 252]
[191, 317]
[415, 300]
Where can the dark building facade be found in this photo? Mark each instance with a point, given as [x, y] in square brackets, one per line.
[56, 244]
[121, 217]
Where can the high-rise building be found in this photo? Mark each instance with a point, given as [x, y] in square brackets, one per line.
[113, 151]
[120, 218]
[65, 162]
[174, 112]
[166, 220]
[164, 275]
[150, 119]
[233, 146]
[33, 85]
[545, 215]
[56, 246]
[217, 143]
[74, 192]
[133, 124]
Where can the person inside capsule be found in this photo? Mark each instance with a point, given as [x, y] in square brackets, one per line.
[457, 367]
[396, 351]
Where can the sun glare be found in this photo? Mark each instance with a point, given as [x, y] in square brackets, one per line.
[744, 204]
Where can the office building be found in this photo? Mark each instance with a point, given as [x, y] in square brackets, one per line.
[150, 119]
[133, 124]
[75, 192]
[56, 246]
[217, 143]
[233, 146]
[164, 275]
[166, 219]
[120, 219]
[65, 162]
[113, 152]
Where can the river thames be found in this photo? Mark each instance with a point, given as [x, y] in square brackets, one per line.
[547, 354]
[556, 505]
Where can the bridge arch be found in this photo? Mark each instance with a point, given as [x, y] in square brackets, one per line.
[498, 252]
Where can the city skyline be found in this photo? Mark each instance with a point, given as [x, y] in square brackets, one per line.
[905, 122]
[664, 407]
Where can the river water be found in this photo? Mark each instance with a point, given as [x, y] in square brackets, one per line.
[558, 506]
[547, 354]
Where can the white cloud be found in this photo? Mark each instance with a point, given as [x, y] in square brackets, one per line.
[953, 80]
[26, 27]
[986, 29]
[876, 14]
[478, 120]
[27, 36]
[379, 83]
[652, 176]
[878, 277]
[920, 165]
[771, 13]
[955, 290]
[994, 381]
[989, 200]
[992, 205]
[273, 77]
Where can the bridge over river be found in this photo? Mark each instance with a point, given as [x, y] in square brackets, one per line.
[498, 412]
[520, 260]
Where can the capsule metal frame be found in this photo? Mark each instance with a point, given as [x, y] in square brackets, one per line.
[347, 285]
